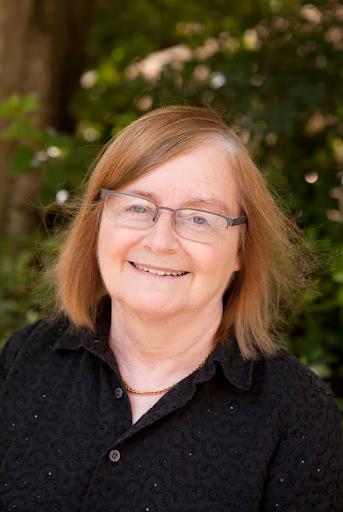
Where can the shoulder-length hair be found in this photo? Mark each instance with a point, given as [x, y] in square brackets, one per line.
[273, 265]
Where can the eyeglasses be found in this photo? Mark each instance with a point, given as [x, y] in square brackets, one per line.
[136, 212]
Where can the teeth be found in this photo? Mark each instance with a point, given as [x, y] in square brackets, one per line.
[158, 272]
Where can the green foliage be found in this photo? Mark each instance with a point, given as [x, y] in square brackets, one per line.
[18, 272]
[17, 106]
[61, 157]
[271, 69]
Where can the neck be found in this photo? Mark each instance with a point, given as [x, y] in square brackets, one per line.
[153, 353]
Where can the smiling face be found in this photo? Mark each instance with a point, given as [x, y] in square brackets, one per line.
[126, 255]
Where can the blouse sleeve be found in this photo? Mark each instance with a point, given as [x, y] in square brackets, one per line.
[306, 470]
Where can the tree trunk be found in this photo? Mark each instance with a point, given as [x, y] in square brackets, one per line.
[42, 51]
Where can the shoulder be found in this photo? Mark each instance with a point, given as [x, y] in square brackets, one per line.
[287, 373]
[42, 333]
[303, 421]
[296, 392]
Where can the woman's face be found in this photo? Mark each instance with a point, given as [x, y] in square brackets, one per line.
[202, 173]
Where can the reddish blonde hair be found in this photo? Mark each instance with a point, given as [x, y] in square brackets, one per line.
[272, 265]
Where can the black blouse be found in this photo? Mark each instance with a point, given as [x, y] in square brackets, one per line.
[234, 436]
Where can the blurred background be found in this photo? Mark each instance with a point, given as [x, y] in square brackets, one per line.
[73, 73]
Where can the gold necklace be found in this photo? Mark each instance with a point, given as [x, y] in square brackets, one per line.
[164, 390]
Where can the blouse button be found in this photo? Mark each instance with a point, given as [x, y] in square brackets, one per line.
[114, 455]
[118, 392]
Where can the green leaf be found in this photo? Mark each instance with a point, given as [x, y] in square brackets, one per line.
[17, 130]
[17, 105]
[322, 370]
[29, 103]
[21, 160]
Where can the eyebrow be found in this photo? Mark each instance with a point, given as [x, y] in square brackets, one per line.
[192, 201]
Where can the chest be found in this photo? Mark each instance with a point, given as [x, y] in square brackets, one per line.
[79, 456]
[69, 443]
[140, 404]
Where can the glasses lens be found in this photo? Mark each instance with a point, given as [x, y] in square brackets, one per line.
[200, 225]
[129, 211]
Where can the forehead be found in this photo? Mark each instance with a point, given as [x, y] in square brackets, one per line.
[202, 175]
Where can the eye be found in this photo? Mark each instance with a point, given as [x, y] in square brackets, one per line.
[138, 208]
[197, 219]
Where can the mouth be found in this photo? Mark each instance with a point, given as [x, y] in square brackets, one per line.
[174, 274]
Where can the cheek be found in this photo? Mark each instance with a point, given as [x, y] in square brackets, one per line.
[218, 262]
[105, 244]
[113, 243]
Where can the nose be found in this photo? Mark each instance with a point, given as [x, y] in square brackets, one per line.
[162, 237]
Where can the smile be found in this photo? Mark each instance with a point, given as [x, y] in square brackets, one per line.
[158, 272]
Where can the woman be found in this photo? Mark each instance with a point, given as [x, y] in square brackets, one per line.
[159, 386]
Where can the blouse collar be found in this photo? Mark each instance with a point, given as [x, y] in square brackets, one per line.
[237, 370]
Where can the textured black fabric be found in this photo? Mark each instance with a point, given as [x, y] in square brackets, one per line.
[234, 436]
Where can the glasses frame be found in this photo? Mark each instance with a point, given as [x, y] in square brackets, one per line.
[230, 221]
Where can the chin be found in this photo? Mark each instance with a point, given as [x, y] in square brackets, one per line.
[152, 310]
